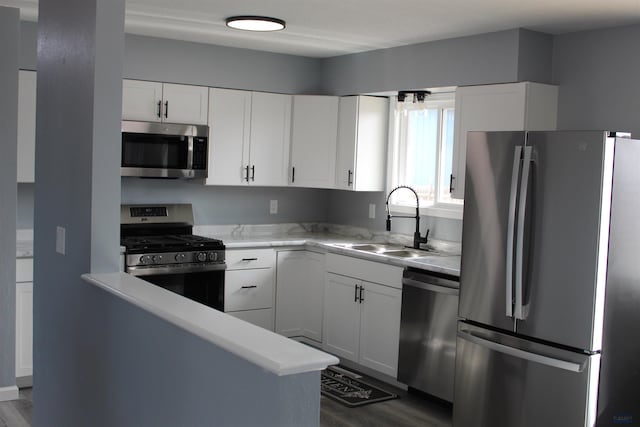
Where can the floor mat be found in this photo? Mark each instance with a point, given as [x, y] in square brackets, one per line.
[350, 391]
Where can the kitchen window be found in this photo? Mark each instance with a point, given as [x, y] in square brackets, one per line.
[421, 155]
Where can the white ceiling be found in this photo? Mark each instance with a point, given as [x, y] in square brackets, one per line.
[324, 28]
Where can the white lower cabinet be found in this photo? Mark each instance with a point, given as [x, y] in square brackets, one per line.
[24, 321]
[249, 285]
[362, 318]
[300, 294]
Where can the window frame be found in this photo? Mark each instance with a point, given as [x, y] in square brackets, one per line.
[438, 209]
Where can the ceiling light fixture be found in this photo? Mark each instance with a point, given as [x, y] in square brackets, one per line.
[255, 23]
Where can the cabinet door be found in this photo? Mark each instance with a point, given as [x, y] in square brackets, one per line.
[26, 125]
[380, 328]
[512, 106]
[290, 279]
[313, 297]
[341, 323]
[248, 289]
[24, 329]
[229, 119]
[347, 140]
[313, 141]
[270, 135]
[185, 104]
[300, 294]
[141, 100]
[362, 137]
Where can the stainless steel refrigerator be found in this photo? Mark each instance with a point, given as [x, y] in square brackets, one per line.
[550, 281]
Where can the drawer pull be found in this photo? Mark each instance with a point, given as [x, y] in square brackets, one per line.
[249, 259]
[249, 287]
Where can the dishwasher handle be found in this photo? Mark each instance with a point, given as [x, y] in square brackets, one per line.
[430, 286]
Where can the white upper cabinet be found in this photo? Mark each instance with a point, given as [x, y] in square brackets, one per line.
[270, 139]
[314, 137]
[164, 102]
[502, 107]
[249, 134]
[26, 125]
[229, 133]
[362, 142]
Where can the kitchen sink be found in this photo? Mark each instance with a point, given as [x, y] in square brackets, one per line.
[409, 253]
[398, 251]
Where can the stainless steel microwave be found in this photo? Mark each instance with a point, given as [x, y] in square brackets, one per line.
[164, 150]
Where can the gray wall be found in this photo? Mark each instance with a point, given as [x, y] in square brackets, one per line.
[149, 58]
[598, 76]
[9, 52]
[232, 205]
[482, 59]
[353, 209]
[78, 110]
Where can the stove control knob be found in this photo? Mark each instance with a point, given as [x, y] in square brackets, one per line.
[145, 259]
[157, 259]
[213, 256]
[202, 256]
[180, 257]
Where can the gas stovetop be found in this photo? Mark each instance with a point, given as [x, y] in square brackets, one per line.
[160, 235]
[170, 243]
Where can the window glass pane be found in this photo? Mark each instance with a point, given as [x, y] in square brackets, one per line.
[421, 157]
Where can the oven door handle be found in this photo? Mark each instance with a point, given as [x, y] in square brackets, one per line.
[149, 270]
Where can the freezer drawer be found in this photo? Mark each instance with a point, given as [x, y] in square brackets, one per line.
[427, 353]
[504, 381]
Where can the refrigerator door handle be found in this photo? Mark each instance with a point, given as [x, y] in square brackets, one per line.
[524, 185]
[511, 230]
[522, 354]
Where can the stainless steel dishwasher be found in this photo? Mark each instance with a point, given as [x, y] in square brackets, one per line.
[427, 352]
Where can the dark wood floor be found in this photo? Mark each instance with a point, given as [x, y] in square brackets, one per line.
[17, 413]
[409, 410]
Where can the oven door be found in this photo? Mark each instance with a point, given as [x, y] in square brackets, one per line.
[203, 283]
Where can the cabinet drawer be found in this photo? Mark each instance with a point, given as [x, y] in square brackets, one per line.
[248, 290]
[250, 258]
[370, 271]
[24, 270]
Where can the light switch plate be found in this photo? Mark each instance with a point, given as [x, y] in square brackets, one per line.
[273, 207]
[372, 210]
[61, 240]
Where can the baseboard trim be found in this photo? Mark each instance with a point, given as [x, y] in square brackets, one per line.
[8, 393]
[26, 381]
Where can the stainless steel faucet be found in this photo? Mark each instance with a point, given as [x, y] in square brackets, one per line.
[417, 238]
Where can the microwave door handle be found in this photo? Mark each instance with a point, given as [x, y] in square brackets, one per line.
[511, 230]
[524, 187]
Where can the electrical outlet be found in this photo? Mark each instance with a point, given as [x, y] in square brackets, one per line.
[60, 240]
[372, 210]
[273, 207]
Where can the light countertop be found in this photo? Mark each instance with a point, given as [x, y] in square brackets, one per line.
[320, 237]
[324, 238]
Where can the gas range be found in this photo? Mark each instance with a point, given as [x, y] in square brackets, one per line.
[159, 238]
